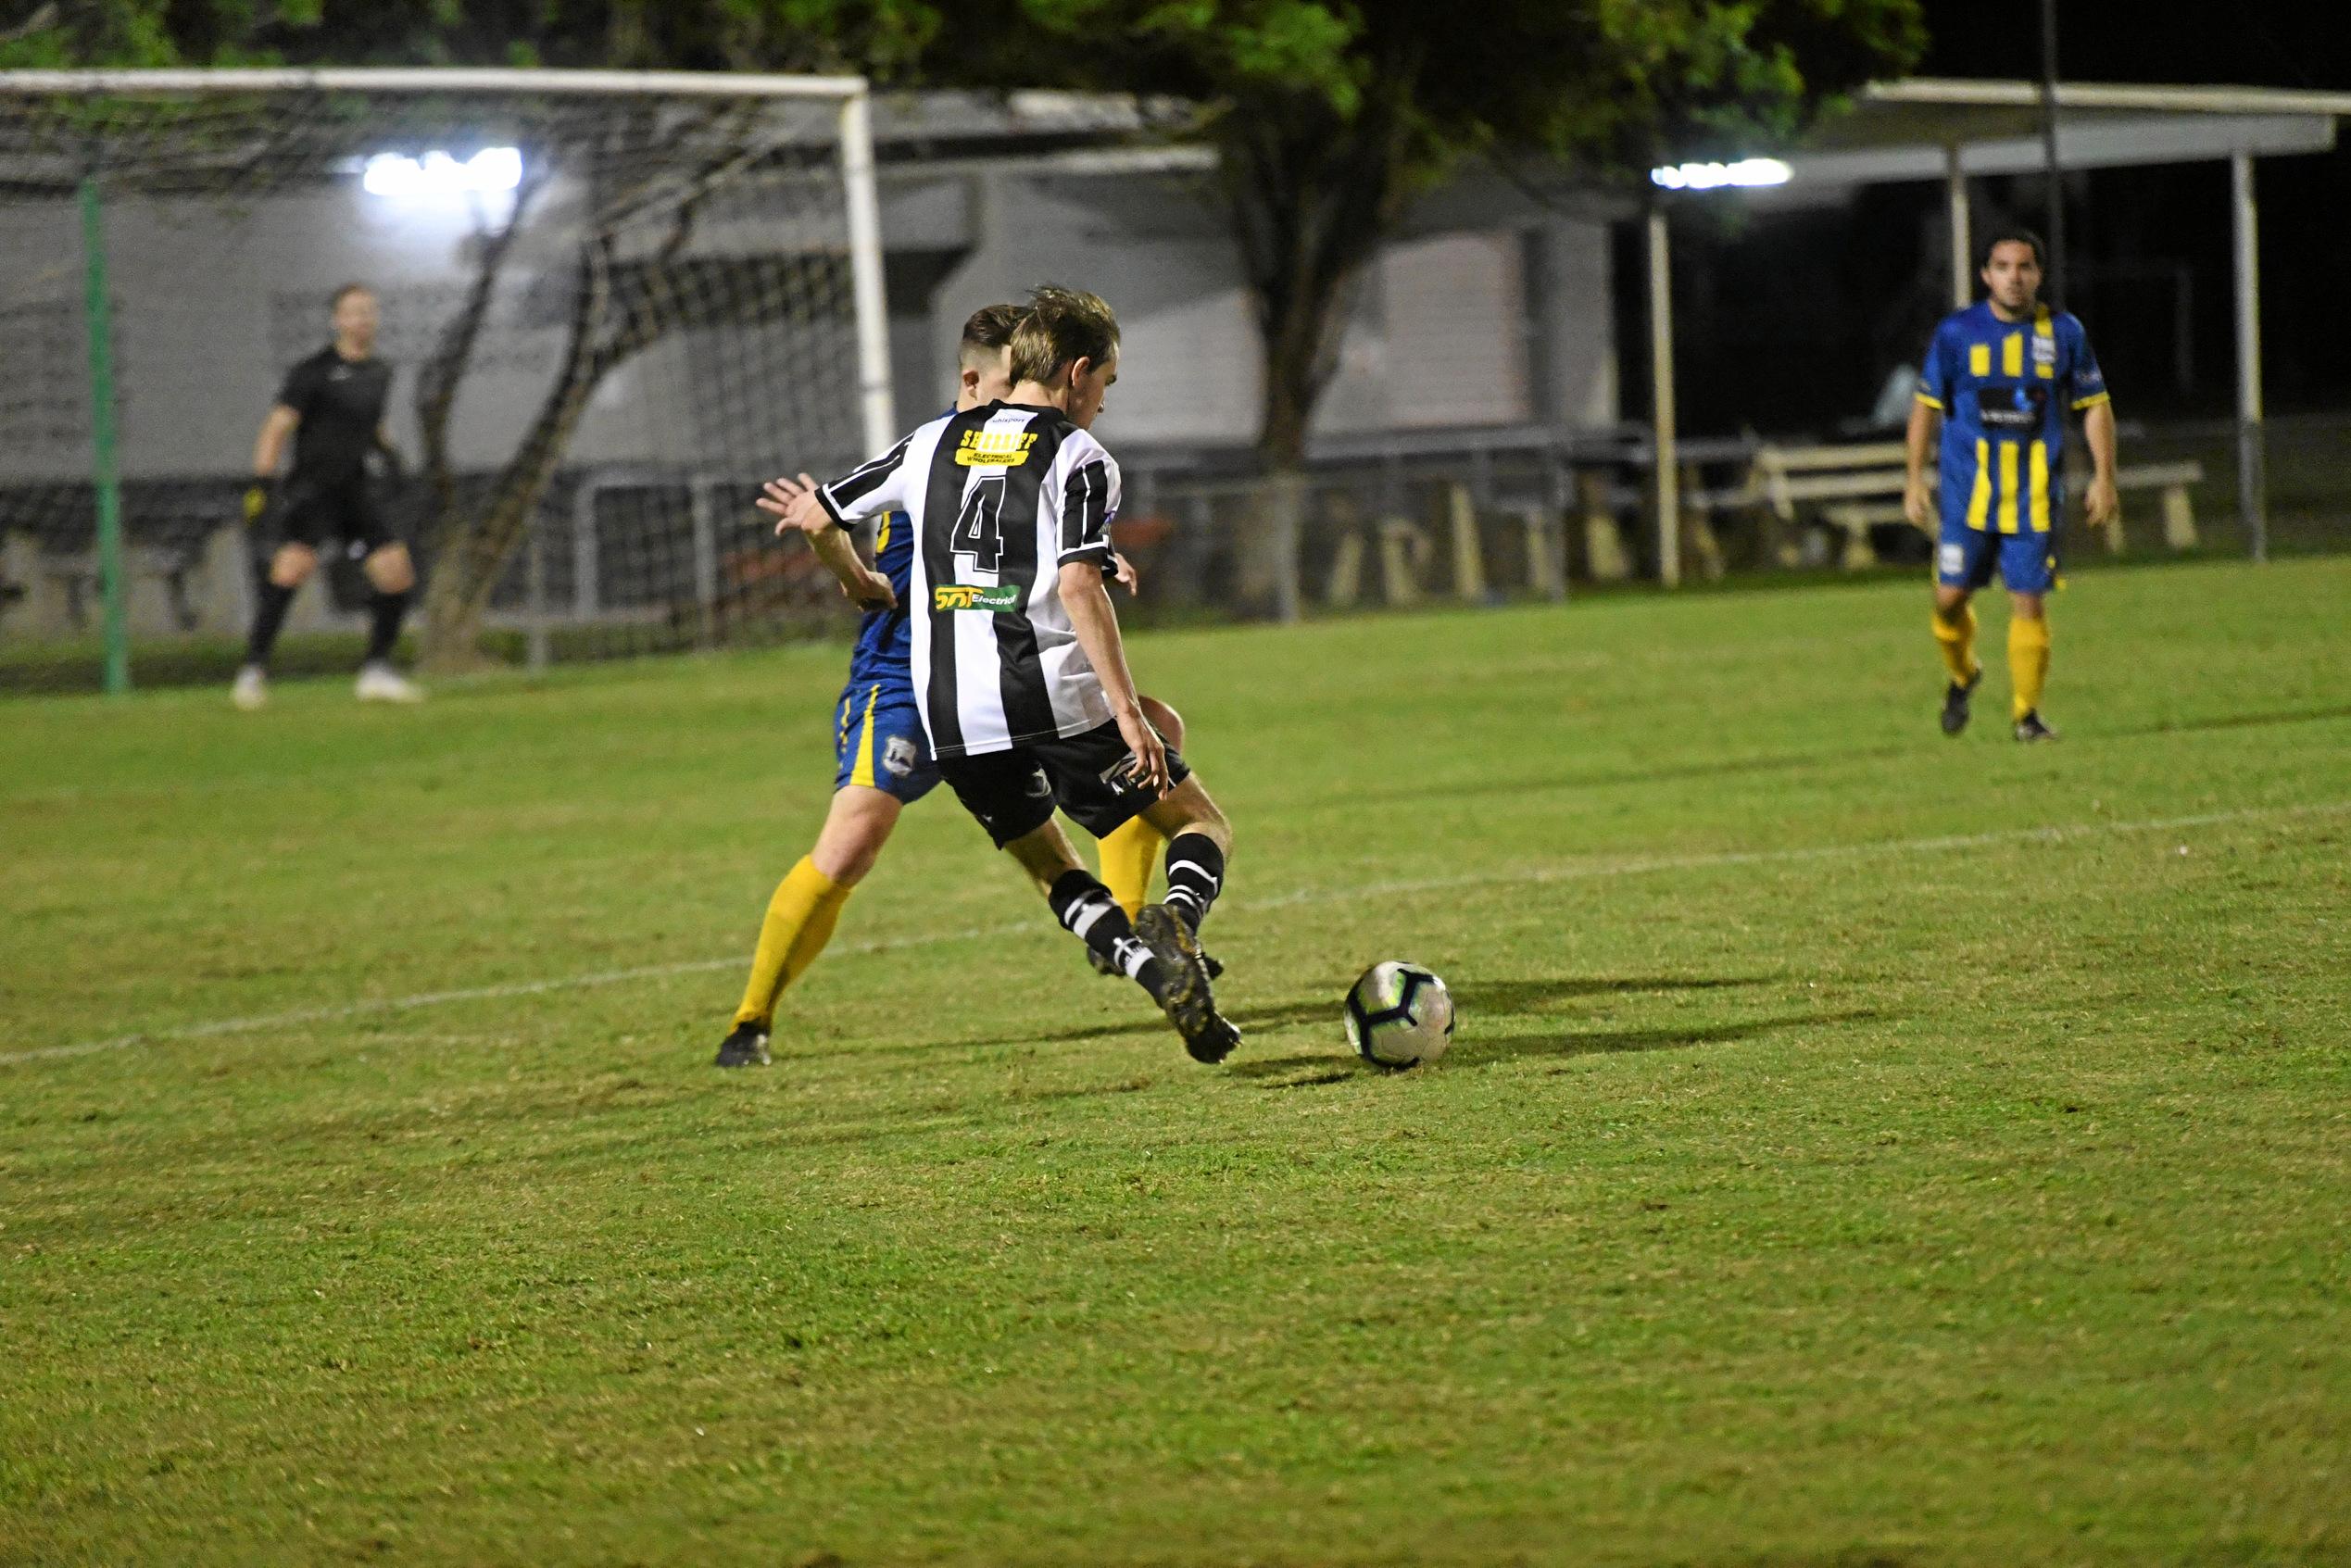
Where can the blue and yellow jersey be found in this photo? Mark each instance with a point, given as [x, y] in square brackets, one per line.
[885, 638]
[2003, 389]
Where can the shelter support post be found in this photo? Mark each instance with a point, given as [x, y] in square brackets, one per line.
[1660, 361]
[2253, 502]
[1963, 245]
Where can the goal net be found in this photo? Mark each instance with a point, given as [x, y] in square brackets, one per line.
[611, 305]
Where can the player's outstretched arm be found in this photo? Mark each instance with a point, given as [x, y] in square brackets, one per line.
[1087, 599]
[793, 505]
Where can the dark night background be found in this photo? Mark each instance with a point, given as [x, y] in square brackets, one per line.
[1788, 322]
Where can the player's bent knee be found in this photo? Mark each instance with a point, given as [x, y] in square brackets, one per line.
[292, 566]
[1186, 809]
[1166, 720]
[391, 570]
[856, 830]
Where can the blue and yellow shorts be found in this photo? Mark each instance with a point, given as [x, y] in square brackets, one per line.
[878, 741]
[1965, 558]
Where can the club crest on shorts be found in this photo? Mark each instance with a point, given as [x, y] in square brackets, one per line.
[898, 757]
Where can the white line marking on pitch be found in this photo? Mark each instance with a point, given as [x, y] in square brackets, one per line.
[1574, 871]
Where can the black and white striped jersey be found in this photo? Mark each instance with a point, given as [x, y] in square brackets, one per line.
[1002, 497]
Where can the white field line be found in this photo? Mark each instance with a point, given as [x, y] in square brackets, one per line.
[1577, 870]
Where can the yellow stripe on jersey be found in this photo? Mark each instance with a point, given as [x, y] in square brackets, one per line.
[2012, 355]
[882, 539]
[862, 773]
[2007, 487]
[2090, 402]
[1979, 358]
[1931, 402]
[2040, 488]
[1979, 498]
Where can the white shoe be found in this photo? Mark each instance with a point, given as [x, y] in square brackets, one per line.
[380, 683]
[252, 689]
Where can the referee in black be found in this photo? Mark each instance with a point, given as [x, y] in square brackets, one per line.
[333, 405]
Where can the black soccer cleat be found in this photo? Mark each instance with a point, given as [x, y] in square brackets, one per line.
[746, 1047]
[1954, 702]
[2029, 728]
[1185, 995]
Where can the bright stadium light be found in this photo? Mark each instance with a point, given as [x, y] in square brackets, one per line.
[1713, 176]
[437, 175]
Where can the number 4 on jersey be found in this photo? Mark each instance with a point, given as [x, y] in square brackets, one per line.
[979, 531]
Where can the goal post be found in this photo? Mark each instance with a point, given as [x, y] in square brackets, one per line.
[612, 302]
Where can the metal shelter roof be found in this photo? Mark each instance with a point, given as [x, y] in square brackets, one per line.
[1904, 130]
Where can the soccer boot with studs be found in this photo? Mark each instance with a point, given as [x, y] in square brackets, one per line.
[1954, 702]
[1186, 996]
[2029, 728]
[746, 1047]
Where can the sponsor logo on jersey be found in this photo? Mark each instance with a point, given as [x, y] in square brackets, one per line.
[2006, 407]
[971, 596]
[994, 449]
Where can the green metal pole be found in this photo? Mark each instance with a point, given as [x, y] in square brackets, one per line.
[96, 309]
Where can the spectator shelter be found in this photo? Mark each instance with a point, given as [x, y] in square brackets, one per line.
[1924, 129]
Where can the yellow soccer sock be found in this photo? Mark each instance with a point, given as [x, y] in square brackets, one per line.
[1956, 638]
[800, 921]
[2028, 663]
[1130, 856]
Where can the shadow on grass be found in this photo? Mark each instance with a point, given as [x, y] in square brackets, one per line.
[2233, 721]
[1494, 998]
[1337, 1068]
[1616, 778]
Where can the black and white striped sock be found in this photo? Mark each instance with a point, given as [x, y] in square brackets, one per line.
[1195, 875]
[1086, 909]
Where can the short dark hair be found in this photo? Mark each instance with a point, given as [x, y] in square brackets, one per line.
[2014, 237]
[1061, 327]
[334, 300]
[991, 328]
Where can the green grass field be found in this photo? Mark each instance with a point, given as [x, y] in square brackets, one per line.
[1859, 1147]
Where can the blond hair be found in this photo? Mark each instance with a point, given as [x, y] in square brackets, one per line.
[1061, 327]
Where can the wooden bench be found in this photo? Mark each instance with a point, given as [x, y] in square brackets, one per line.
[171, 589]
[1854, 487]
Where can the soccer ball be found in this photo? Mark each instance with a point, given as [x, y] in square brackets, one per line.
[1398, 1014]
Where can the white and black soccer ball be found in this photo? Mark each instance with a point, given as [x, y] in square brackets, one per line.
[1399, 1014]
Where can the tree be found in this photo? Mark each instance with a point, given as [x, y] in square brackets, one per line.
[1332, 114]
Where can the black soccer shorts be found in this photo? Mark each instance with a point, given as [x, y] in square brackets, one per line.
[310, 510]
[1014, 793]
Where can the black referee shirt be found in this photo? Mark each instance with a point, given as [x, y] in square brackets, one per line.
[341, 402]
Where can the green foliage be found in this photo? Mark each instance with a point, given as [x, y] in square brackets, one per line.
[1830, 1169]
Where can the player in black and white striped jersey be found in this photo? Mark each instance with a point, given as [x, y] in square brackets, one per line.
[1019, 670]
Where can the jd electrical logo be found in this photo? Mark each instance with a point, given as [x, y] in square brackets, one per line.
[994, 449]
[967, 595]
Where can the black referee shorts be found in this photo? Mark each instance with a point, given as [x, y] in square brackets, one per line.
[1014, 793]
[310, 511]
